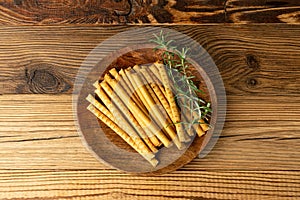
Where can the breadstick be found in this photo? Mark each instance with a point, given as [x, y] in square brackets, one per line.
[114, 73]
[144, 77]
[163, 99]
[199, 130]
[157, 91]
[153, 140]
[149, 156]
[145, 121]
[126, 86]
[169, 95]
[123, 73]
[128, 83]
[139, 94]
[138, 69]
[190, 115]
[157, 94]
[203, 125]
[154, 73]
[160, 118]
[104, 98]
[121, 108]
[128, 127]
[160, 91]
[141, 105]
[132, 129]
[96, 85]
[99, 106]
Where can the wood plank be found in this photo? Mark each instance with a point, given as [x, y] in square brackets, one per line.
[263, 11]
[110, 12]
[38, 132]
[24, 12]
[253, 59]
[110, 184]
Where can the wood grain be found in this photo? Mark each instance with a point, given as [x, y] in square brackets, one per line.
[40, 128]
[265, 11]
[109, 184]
[257, 156]
[107, 11]
[252, 59]
[39, 12]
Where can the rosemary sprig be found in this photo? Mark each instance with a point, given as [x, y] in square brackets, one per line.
[176, 60]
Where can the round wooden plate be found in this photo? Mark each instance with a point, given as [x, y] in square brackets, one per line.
[111, 149]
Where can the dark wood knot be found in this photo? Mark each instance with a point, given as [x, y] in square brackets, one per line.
[252, 62]
[251, 82]
[44, 79]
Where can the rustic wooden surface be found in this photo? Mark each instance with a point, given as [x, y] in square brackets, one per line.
[256, 157]
[13, 12]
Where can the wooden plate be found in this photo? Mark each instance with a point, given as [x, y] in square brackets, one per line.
[111, 149]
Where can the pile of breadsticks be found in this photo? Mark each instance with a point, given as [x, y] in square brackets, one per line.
[138, 104]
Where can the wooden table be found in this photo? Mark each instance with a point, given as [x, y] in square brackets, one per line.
[256, 46]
